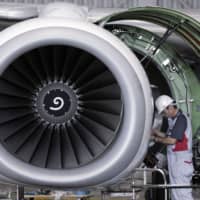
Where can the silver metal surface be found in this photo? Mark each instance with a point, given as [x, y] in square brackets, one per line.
[66, 10]
[17, 11]
[131, 143]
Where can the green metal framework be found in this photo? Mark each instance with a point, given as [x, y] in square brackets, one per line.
[188, 28]
[181, 79]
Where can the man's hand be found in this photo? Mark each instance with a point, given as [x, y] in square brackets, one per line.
[157, 133]
[154, 132]
[152, 137]
[164, 140]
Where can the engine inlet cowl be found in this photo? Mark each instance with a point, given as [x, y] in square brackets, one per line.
[75, 104]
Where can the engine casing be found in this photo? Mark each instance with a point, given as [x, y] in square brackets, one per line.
[76, 106]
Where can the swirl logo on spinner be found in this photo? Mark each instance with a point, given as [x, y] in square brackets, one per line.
[57, 103]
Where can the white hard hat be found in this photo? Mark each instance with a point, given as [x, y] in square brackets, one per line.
[162, 102]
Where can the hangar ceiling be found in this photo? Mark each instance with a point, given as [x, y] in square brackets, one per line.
[176, 4]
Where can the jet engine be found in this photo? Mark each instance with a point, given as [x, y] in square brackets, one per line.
[75, 105]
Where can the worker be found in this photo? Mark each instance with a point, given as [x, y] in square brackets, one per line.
[178, 139]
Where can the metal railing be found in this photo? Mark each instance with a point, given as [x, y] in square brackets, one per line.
[145, 184]
[166, 186]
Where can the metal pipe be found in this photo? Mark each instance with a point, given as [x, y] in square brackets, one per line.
[167, 186]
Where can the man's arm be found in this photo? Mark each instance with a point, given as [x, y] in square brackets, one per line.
[157, 133]
[179, 128]
[177, 132]
[165, 140]
[159, 136]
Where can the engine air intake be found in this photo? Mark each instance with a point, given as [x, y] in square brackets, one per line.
[60, 107]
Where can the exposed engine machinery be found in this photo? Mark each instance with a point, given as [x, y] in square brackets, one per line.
[76, 106]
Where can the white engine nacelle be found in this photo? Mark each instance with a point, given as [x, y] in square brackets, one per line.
[99, 127]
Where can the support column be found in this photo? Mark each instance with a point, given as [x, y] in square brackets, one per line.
[20, 192]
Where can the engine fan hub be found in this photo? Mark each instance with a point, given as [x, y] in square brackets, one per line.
[56, 103]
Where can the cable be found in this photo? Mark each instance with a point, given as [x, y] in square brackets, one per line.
[162, 40]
